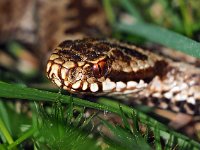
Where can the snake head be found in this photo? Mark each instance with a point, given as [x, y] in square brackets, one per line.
[79, 65]
[101, 66]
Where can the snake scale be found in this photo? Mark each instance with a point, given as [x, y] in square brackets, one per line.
[87, 63]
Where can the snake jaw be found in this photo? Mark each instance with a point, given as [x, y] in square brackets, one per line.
[71, 76]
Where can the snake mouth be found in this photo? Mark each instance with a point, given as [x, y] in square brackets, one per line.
[66, 74]
[71, 77]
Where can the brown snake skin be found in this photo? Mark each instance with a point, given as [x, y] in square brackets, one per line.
[106, 67]
[121, 70]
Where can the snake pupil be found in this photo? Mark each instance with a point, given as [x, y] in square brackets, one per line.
[99, 69]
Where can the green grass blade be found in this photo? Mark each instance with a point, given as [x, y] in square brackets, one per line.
[172, 16]
[131, 8]
[4, 115]
[187, 18]
[77, 121]
[70, 111]
[169, 143]
[39, 95]
[148, 121]
[109, 11]
[71, 138]
[125, 139]
[157, 138]
[125, 120]
[5, 132]
[87, 121]
[26, 135]
[162, 36]
[105, 105]
[2, 147]
[135, 123]
[146, 135]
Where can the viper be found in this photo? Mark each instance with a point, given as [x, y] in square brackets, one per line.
[89, 62]
[113, 68]
[84, 63]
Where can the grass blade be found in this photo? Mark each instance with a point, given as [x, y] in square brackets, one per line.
[148, 121]
[109, 11]
[162, 36]
[70, 111]
[125, 120]
[5, 132]
[39, 95]
[157, 138]
[105, 105]
[26, 135]
[4, 115]
[125, 139]
[131, 9]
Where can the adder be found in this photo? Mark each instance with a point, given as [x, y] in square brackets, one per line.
[88, 62]
[121, 70]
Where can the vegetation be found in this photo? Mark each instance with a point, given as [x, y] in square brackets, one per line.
[40, 119]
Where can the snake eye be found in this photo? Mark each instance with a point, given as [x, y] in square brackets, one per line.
[99, 69]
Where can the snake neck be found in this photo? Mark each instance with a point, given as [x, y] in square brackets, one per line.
[177, 90]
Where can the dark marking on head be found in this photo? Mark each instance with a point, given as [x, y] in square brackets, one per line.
[121, 56]
[146, 74]
[68, 55]
[133, 53]
[65, 44]
[127, 50]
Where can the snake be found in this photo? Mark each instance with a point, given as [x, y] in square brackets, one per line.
[109, 67]
[89, 62]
